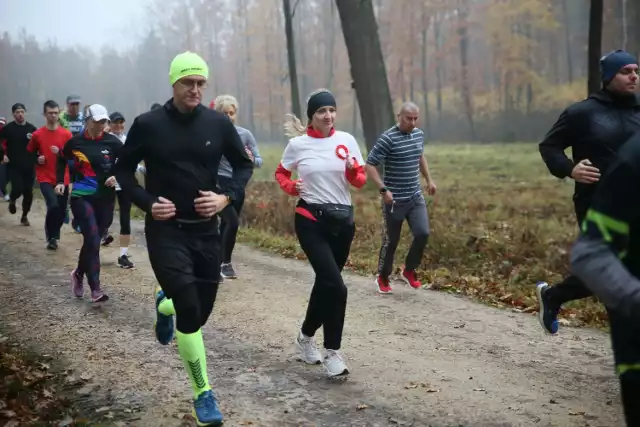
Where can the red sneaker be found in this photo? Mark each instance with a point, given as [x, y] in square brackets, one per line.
[410, 277]
[383, 286]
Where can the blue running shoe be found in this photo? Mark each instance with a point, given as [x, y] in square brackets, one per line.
[548, 312]
[206, 411]
[164, 324]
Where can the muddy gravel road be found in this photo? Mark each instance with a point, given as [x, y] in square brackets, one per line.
[418, 358]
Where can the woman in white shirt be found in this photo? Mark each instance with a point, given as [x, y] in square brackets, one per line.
[327, 163]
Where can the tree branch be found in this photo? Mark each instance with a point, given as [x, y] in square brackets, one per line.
[293, 10]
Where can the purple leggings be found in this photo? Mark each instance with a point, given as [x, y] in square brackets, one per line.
[93, 215]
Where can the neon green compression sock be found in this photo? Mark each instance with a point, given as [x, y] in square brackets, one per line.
[194, 357]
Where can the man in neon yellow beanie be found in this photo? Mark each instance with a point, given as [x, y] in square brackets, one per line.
[181, 144]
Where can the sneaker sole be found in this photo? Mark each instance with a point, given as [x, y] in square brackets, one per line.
[229, 277]
[342, 374]
[201, 424]
[541, 310]
[378, 289]
[302, 359]
[126, 267]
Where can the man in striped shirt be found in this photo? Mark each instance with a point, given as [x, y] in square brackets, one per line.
[400, 151]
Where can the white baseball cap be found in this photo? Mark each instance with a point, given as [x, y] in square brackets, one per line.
[97, 112]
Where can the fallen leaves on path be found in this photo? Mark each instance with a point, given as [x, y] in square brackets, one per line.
[27, 391]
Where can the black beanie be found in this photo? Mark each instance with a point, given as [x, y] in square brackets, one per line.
[613, 62]
[18, 106]
[319, 100]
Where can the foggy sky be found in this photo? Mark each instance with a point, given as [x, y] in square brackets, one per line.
[73, 22]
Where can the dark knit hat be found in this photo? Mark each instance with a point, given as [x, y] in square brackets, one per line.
[613, 62]
[319, 100]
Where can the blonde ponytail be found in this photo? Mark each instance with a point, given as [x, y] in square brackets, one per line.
[293, 127]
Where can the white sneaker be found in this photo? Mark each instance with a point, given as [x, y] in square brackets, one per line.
[334, 364]
[308, 351]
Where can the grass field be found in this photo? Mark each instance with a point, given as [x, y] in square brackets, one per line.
[500, 222]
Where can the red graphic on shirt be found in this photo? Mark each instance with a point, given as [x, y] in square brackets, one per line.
[342, 152]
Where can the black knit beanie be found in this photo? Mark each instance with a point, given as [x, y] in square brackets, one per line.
[613, 62]
[319, 100]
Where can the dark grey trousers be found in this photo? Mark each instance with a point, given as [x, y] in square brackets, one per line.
[414, 211]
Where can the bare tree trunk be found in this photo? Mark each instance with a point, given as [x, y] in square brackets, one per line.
[595, 45]
[624, 26]
[425, 82]
[633, 16]
[330, 50]
[368, 70]
[291, 56]
[438, 39]
[567, 40]
[247, 61]
[463, 33]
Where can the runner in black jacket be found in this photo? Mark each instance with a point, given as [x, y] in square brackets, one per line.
[181, 145]
[594, 129]
[21, 163]
[607, 258]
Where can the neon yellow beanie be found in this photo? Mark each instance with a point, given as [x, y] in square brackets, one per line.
[187, 64]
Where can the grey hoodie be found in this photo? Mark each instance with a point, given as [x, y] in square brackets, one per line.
[249, 142]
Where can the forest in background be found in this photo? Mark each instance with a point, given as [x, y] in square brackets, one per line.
[482, 70]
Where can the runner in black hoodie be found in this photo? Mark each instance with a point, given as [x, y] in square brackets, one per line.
[21, 163]
[181, 145]
[594, 129]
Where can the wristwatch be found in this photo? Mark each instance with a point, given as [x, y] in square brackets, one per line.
[383, 190]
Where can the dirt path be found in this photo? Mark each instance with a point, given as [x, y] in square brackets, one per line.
[419, 358]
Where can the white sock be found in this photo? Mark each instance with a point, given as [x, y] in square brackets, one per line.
[124, 251]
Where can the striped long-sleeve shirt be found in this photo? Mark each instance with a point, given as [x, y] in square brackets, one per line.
[400, 153]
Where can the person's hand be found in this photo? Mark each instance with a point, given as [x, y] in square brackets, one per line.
[5, 159]
[59, 189]
[111, 181]
[351, 162]
[41, 160]
[299, 186]
[250, 154]
[387, 197]
[585, 173]
[210, 203]
[163, 209]
[431, 188]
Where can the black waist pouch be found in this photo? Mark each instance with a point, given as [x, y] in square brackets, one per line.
[331, 214]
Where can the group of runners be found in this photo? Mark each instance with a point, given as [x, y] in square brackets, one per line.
[197, 162]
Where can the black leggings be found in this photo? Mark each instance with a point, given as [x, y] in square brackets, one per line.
[229, 224]
[186, 262]
[22, 180]
[327, 252]
[625, 341]
[124, 206]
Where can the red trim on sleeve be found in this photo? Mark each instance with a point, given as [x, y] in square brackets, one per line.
[283, 176]
[356, 175]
